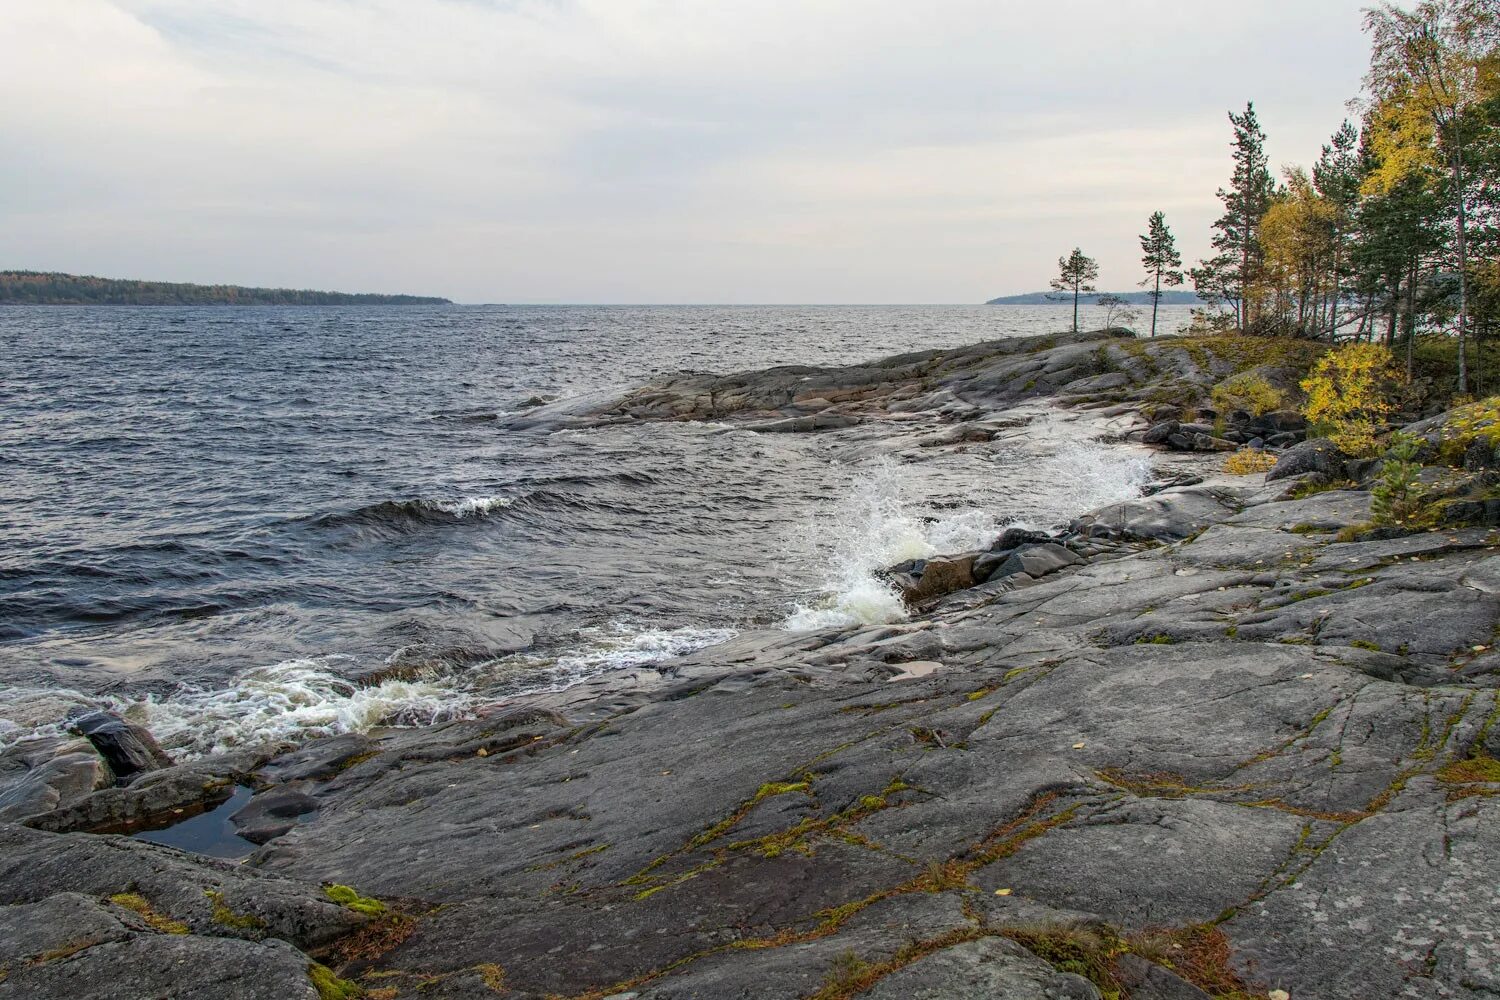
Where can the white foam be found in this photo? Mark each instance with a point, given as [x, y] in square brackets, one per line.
[620, 646]
[472, 506]
[304, 699]
[295, 700]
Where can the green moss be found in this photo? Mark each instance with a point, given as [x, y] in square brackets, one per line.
[346, 897]
[1374, 647]
[1085, 950]
[157, 921]
[1232, 631]
[1155, 640]
[492, 975]
[1479, 768]
[330, 986]
[226, 917]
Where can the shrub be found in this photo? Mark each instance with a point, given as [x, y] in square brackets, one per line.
[1246, 392]
[1349, 395]
[1248, 461]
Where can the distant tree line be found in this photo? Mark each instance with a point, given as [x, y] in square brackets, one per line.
[51, 288]
[1394, 235]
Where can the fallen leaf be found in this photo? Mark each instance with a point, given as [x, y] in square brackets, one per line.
[1077, 746]
[1003, 892]
[481, 752]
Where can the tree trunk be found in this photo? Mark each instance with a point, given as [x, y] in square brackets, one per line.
[1411, 315]
[1075, 308]
[1155, 302]
[1463, 268]
[1333, 300]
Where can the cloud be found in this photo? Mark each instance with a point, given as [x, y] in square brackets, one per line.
[640, 150]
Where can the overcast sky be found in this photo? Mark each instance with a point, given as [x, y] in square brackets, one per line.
[642, 150]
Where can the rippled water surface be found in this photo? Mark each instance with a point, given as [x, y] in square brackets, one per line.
[222, 519]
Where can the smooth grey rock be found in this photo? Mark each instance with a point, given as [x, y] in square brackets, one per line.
[989, 967]
[40, 775]
[168, 967]
[1037, 560]
[58, 925]
[35, 865]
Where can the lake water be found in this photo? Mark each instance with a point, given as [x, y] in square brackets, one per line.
[219, 519]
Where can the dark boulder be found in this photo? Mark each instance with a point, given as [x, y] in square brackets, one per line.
[941, 576]
[1319, 455]
[1159, 433]
[129, 749]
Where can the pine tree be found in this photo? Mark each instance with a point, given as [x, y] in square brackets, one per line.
[1228, 276]
[1076, 273]
[1160, 258]
[1336, 177]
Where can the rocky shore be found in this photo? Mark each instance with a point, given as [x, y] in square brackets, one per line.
[1226, 740]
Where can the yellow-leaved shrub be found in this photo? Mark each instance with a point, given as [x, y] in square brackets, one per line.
[1248, 461]
[1349, 393]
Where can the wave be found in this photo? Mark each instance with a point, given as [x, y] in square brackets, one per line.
[415, 513]
[304, 699]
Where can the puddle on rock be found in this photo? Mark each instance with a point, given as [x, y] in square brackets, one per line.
[208, 832]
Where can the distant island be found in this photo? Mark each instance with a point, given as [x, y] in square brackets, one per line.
[1092, 298]
[51, 288]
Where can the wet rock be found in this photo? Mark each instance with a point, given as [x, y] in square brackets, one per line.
[1170, 515]
[128, 748]
[1159, 433]
[1037, 561]
[177, 791]
[941, 576]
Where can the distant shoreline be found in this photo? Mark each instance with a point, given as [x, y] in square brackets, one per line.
[1168, 298]
[51, 288]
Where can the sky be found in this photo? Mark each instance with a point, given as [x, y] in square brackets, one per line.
[642, 151]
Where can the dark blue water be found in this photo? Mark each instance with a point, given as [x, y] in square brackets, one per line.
[222, 518]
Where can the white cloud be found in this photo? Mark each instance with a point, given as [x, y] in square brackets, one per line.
[639, 150]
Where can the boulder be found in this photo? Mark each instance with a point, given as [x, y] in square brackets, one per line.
[128, 748]
[941, 576]
[1319, 455]
[1159, 433]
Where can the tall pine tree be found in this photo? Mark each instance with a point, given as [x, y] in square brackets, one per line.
[1228, 277]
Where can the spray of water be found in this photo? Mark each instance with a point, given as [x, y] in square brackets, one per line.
[878, 524]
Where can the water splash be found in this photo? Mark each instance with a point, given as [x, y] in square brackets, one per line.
[873, 527]
[880, 524]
